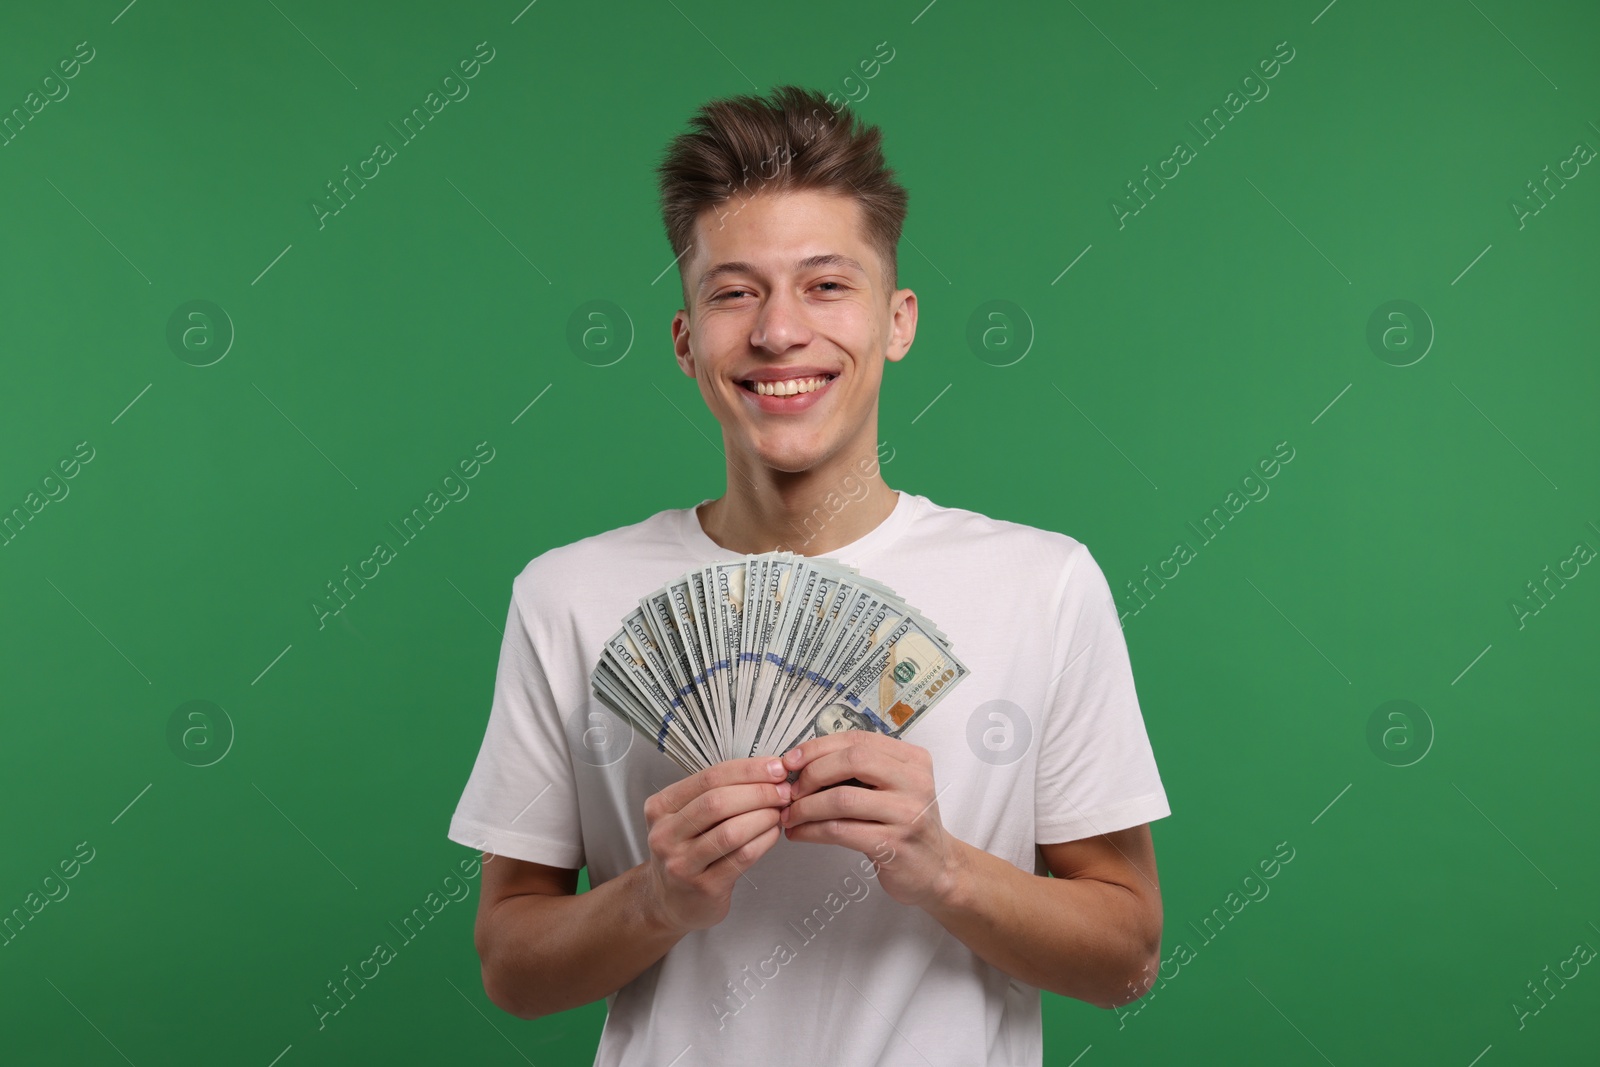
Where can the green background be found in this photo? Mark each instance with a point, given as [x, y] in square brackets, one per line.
[370, 355]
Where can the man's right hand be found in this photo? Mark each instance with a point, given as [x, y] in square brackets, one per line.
[706, 831]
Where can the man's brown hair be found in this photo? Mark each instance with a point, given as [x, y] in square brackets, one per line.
[740, 146]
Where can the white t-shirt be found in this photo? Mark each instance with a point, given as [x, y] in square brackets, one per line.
[815, 963]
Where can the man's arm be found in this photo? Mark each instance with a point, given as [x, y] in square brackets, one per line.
[1093, 932]
[546, 948]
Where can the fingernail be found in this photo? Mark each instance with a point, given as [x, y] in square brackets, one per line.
[775, 767]
[784, 790]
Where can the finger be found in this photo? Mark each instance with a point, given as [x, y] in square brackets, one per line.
[844, 802]
[863, 837]
[728, 772]
[726, 838]
[865, 763]
[721, 803]
[803, 753]
[742, 859]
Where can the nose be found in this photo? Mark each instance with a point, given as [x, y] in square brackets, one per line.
[781, 323]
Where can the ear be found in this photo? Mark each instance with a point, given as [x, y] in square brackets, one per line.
[902, 324]
[680, 342]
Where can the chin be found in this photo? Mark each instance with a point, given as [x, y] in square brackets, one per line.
[792, 458]
[790, 462]
[791, 453]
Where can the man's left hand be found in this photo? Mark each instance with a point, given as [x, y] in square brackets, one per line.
[898, 808]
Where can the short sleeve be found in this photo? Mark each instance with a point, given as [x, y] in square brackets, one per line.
[521, 800]
[1096, 771]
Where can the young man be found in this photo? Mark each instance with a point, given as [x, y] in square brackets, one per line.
[733, 916]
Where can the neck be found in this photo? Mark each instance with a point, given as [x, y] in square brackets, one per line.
[810, 512]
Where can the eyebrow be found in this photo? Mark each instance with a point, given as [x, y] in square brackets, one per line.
[829, 259]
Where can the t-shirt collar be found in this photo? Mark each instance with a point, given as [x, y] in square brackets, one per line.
[706, 550]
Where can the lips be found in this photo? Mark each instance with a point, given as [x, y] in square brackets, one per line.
[789, 390]
[785, 374]
[788, 386]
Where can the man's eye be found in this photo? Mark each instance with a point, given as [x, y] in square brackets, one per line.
[838, 287]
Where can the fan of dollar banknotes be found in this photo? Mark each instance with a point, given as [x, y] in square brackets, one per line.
[752, 656]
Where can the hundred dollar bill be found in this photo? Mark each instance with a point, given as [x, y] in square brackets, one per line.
[664, 724]
[752, 655]
[889, 680]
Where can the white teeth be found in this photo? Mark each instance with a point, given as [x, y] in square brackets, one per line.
[790, 386]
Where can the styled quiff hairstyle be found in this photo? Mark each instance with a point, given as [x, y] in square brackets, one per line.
[740, 146]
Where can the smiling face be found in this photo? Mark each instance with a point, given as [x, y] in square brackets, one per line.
[786, 329]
